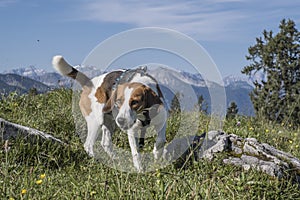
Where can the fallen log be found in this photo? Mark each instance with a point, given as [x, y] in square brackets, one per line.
[11, 130]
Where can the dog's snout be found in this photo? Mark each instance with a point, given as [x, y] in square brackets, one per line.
[121, 121]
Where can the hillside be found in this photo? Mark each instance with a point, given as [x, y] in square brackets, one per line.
[21, 84]
[38, 169]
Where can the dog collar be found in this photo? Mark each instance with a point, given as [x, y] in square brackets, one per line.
[128, 75]
[144, 117]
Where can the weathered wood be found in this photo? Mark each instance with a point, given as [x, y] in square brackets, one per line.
[11, 130]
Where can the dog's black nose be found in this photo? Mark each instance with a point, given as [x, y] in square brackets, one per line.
[121, 121]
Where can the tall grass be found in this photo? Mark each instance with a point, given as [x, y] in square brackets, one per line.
[47, 170]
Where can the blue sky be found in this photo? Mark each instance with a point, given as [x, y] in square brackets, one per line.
[33, 31]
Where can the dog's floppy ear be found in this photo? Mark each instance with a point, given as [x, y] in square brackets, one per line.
[153, 102]
[151, 97]
[109, 105]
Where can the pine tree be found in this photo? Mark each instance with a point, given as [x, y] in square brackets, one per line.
[33, 91]
[175, 104]
[232, 111]
[202, 105]
[278, 57]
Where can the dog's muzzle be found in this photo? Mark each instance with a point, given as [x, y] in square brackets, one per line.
[125, 123]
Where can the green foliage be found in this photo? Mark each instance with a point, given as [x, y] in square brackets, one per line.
[45, 112]
[33, 91]
[38, 169]
[202, 104]
[175, 104]
[278, 57]
[232, 111]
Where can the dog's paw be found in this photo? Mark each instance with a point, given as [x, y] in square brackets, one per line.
[89, 149]
[137, 163]
[112, 155]
[157, 153]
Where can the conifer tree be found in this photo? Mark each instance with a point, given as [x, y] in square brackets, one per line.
[202, 105]
[276, 98]
[175, 104]
[232, 111]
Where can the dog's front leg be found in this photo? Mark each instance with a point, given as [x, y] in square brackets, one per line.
[160, 141]
[107, 132]
[106, 141]
[133, 142]
[142, 138]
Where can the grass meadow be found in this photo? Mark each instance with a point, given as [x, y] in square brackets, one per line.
[39, 169]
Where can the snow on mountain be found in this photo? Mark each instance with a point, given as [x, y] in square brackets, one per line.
[233, 79]
[52, 79]
[90, 71]
[238, 82]
[30, 72]
[259, 77]
[193, 79]
[170, 76]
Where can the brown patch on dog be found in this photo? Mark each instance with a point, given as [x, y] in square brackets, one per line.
[73, 73]
[152, 98]
[85, 102]
[137, 100]
[103, 92]
[116, 96]
[142, 97]
[145, 100]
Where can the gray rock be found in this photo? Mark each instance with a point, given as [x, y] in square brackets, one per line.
[249, 154]
[216, 144]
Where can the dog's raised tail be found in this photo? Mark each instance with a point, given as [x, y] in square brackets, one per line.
[66, 69]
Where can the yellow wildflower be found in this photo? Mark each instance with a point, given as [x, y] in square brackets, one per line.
[267, 130]
[291, 141]
[295, 134]
[24, 191]
[158, 175]
[42, 176]
[10, 198]
[39, 182]
[251, 128]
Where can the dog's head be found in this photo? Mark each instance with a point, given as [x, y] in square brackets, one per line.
[131, 99]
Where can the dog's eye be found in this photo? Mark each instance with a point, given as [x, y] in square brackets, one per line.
[134, 102]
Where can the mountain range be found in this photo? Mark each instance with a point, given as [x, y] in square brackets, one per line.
[237, 89]
[21, 84]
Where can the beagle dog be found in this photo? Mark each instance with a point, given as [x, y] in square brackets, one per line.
[131, 99]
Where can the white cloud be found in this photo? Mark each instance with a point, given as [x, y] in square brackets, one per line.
[205, 19]
[5, 3]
